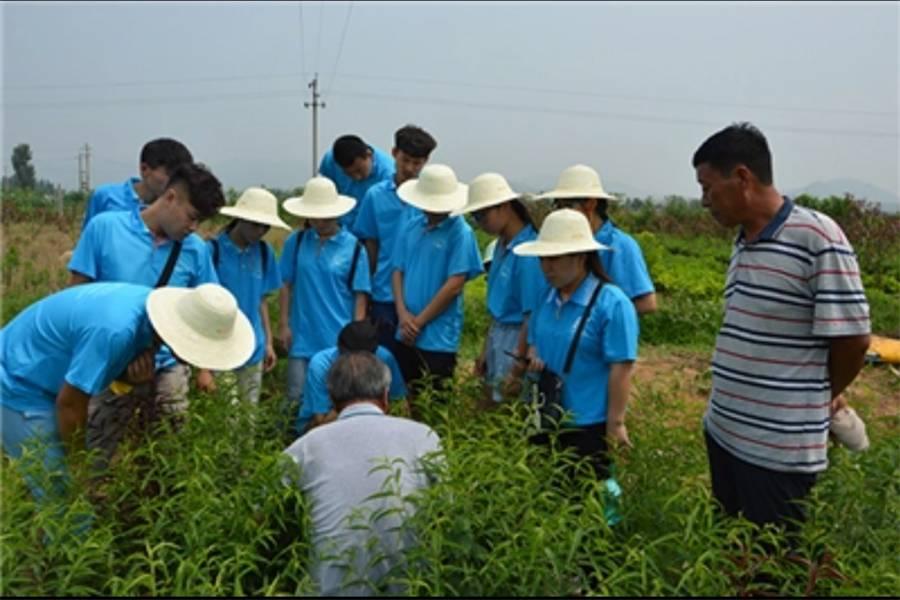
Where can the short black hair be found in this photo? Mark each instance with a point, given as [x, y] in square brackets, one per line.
[348, 148]
[358, 336]
[737, 144]
[204, 189]
[165, 152]
[414, 141]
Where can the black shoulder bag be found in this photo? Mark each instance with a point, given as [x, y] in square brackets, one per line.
[549, 401]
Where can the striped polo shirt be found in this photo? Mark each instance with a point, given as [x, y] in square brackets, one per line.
[786, 294]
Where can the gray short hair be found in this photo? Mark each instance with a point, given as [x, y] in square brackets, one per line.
[357, 376]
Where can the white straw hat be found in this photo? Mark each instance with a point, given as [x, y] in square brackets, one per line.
[486, 190]
[202, 325]
[320, 200]
[564, 231]
[578, 181]
[257, 205]
[849, 429]
[436, 190]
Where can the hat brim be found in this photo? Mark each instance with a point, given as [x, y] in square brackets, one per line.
[339, 208]
[567, 194]
[539, 248]
[469, 208]
[255, 217]
[198, 350]
[433, 203]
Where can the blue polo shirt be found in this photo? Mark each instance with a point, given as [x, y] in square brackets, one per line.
[118, 246]
[243, 274]
[514, 283]
[84, 335]
[323, 297]
[625, 264]
[381, 217]
[610, 335]
[427, 257]
[315, 392]
[382, 168]
[112, 196]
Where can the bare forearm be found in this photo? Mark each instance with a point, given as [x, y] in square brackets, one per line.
[846, 357]
[448, 292]
[267, 325]
[619, 389]
[284, 304]
[646, 304]
[397, 285]
[71, 416]
[359, 312]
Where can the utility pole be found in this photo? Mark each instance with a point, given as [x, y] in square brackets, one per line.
[84, 169]
[314, 85]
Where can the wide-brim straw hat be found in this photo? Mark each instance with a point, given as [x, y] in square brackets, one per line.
[564, 231]
[256, 205]
[578, 181]
[203, 326]
[849, 429]
[485, 191]
[436, 190]
[320, 200]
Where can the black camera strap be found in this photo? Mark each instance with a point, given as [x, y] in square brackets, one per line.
[587, 313]
[170, 265]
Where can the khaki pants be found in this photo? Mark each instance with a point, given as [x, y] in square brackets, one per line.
[244, 383]
[111, 417]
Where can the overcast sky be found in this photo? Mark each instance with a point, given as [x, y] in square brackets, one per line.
[524, 89]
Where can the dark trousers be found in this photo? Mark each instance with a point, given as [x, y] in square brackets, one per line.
[384, 315]
[417, 364]
[587, 441]
[762, 495]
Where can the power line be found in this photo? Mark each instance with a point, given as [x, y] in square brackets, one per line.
[600, 114]
[570, 92]
[460, 84]
[289, 93]
[302, 42]
[293, 93]
[340, 48]
[319, 36]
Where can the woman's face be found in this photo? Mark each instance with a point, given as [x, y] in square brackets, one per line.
[489, 219]
[251, 232]
[561, 271]
[324, 227]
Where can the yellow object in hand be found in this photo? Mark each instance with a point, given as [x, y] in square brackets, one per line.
[120, 388]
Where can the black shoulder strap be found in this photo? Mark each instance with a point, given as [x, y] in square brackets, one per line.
[587, 313]
[353, 264]
[215, 244]
[297, 248]
[263, 256]
[170, 265]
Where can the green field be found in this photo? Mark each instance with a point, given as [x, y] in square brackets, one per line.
[203, 512]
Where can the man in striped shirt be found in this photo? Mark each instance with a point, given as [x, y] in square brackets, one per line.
[794, 334]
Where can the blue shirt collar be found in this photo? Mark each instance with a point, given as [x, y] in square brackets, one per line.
[442, 225]
[521, 236]
[775, 224]
[582, 295]
[336, 237]
[360, 408]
